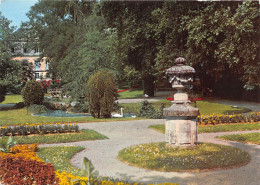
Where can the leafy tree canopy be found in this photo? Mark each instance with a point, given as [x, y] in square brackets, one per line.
[9, 70]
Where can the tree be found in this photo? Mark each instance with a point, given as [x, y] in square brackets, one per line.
[9, 70]
[101, 94]
[32, 93]
[222, 45]
[134, 23]
[27, 71]
[74, 37]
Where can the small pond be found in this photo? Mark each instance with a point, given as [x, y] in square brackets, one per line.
[61, 113]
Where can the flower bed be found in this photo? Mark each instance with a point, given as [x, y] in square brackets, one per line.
[22, 166]
[28, 129]
[234, 118]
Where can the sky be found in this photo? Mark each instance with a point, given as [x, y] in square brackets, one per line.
[15, 10]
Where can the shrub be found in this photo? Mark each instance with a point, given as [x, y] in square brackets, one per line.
[38, 109]
[48, 104]
[32, 93]
[101, 93]
[147, 110]
[81, 107]
[6, 143]
[38, 129]
[19, 105]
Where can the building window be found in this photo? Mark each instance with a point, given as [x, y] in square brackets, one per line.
[37, 75]
[47, 65]
[37, 65]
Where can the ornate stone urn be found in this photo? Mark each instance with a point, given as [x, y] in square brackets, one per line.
[181, 124]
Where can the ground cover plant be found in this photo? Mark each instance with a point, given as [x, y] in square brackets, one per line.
[160, 157]
[253, 138]
[217, 128]
[83, 135]
[60, 157]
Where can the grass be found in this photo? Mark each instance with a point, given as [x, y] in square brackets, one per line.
[253, 138]
[217, 128]
[60, 157]
[160, 157]
[18, 116]
[12, 99]
[205, 107]
[84, 135]
[132, 93]
[208, 108]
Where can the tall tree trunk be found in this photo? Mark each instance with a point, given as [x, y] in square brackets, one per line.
[148, 85]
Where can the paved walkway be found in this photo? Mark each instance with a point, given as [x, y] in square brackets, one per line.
[103, 154]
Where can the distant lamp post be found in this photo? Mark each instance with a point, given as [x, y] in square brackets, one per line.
[181, 125]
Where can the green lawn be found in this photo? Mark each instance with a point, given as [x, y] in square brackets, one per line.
[132, 93]
[19, 116]
[84, 135]
[205, 107]
[11, 117]
[60, 157]
[245, 138]
[208, 108]
[217, 128]
[12, 99]
[203, 156]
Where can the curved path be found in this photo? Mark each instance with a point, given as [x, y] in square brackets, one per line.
[103, 154]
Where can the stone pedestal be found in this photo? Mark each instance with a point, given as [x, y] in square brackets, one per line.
[181, 125]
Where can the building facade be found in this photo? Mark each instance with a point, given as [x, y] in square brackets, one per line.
[40, 65]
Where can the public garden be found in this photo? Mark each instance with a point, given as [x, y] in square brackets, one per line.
[127, 108]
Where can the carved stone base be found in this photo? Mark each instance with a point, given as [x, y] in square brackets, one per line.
[180, 132]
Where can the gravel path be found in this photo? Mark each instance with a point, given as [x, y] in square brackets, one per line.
[103, 154]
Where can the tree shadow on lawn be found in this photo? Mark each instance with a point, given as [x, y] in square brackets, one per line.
[243, 110]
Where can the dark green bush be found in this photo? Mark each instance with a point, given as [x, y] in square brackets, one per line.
[147, 110]
[81, 107]
[19, 105]
[101, 94]
[48, 104]
[32, 93]
[38, 109]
